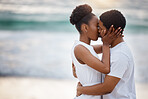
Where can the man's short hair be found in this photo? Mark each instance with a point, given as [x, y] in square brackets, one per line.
[113, 17]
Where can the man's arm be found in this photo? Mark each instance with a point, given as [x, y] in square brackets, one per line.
[106, 87]
[97, 48]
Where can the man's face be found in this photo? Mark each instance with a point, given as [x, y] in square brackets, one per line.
[101, 27]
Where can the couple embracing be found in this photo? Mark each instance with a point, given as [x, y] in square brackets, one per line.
[113, 76]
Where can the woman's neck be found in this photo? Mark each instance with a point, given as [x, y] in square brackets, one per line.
[85, 39]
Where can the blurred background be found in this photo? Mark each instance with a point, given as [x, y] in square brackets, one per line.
[36, 38]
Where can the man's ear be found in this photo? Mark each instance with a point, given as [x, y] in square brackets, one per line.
[84, 27]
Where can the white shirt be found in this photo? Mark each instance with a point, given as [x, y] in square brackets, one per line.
[122, 66]
[86, 75]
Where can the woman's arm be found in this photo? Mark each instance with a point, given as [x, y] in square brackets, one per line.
[97, 48]
[106, 57]
[84, 56]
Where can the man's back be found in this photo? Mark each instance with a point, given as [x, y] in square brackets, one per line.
[122, 66]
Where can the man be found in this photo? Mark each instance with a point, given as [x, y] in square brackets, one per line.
[119, 83]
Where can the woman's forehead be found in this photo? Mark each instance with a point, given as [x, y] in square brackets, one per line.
[94, 19]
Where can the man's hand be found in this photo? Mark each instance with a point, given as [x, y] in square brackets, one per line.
[79, 85]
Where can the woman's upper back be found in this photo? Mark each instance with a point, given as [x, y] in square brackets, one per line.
[86, 75]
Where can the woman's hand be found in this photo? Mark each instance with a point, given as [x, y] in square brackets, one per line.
[109, 36]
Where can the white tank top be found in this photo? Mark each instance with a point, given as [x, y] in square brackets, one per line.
[86, 75]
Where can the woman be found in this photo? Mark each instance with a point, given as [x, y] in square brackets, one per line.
[84, 56]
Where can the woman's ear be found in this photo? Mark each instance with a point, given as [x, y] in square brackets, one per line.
[84, 27]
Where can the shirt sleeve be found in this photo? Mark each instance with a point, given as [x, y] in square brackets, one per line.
[119, 65]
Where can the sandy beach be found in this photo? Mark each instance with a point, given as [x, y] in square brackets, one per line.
[35, 88]
[38, 88]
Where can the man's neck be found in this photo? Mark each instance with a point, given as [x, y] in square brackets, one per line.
[117, 41]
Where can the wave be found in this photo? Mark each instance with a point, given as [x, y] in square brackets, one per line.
[35, 25]
[53, 26]
[53, 16]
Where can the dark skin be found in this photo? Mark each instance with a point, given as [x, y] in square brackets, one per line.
[83, 55]
[109, 83]
[98, 48]
[99, 89]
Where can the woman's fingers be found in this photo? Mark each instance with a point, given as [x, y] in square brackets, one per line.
[110, 29]
[103, 32]
[119, 33]
[116, 34]
[117, 30]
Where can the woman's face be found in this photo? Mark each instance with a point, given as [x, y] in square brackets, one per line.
[92, 32]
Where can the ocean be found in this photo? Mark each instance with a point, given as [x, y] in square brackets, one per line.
[53, 15]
